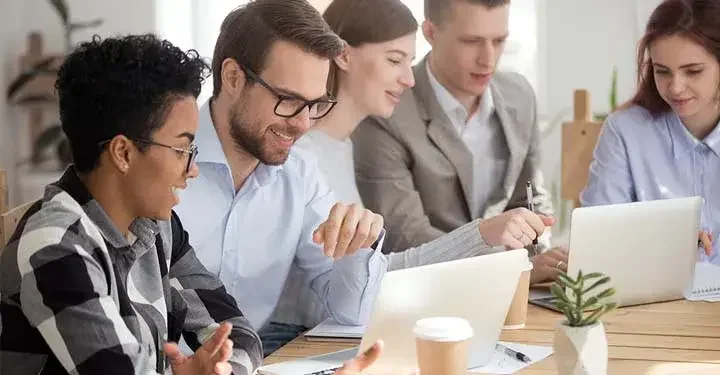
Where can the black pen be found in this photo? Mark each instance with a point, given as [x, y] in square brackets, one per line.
[515, 354]
[531, 207]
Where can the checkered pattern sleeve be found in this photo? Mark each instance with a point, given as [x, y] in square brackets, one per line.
[65, 291]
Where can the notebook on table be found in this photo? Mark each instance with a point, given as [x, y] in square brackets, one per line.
[328, 330]
[706, 284]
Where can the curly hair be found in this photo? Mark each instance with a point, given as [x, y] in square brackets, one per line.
[124, 85]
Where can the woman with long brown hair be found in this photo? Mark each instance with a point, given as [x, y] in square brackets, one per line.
[666, 142]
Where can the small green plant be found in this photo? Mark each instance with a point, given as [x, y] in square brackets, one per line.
[579, 308]
[612, 97]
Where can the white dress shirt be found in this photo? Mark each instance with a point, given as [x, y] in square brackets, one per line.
[335, 160]
[250, 239]
[483, 136]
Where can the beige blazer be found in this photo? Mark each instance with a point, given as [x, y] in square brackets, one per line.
[415, 170]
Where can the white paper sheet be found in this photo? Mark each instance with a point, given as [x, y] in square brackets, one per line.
[502, 363]
[706, 284]
[329, 329]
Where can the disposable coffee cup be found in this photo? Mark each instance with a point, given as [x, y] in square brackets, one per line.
[442, 345]
[517, 314]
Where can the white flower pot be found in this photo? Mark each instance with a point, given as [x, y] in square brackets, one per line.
[581, 350]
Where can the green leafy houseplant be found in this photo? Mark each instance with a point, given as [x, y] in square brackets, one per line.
[52, 136]
[580, 307]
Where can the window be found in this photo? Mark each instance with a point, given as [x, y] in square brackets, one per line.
[194, 24]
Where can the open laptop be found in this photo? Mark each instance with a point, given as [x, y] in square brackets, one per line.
[478, 289]
[648, 249]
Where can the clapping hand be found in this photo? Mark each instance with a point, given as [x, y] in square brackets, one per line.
[356, 365]
[210, 359]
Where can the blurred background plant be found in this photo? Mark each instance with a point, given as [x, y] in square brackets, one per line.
[51, 142]
[601, 116]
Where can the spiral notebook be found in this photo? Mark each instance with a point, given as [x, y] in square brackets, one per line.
[706, 284]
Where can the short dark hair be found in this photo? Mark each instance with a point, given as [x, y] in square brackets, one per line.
[248, 33]
[367, 21]
[698, 20]
[122, 85]
[437, 10]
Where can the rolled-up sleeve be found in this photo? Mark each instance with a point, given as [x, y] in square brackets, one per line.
[347, 287]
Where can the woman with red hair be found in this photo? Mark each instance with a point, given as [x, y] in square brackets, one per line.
[665, 143]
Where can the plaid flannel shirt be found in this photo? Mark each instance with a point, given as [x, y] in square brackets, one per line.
[78, 297]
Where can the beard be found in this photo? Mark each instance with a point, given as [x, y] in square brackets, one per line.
[250, 141]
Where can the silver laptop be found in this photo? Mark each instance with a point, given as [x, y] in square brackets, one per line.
[478, 289]
[648, 248]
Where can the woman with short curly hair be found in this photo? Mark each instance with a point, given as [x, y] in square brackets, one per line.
[99, 275]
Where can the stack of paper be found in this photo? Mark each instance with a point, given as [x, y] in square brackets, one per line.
[329, 330]
[706, 285]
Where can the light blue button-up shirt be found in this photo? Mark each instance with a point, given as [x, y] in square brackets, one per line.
[250, 239]
[640, 158]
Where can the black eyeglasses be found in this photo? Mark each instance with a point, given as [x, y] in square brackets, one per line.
[191, 152]
[290, 105]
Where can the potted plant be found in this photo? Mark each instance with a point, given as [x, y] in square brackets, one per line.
[51, 142]
[580, 343]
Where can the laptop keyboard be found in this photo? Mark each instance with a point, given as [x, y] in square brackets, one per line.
[324, 372]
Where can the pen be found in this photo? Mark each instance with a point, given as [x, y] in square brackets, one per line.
[531, 207]
[517, 355]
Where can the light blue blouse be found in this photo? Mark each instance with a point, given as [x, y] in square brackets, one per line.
[639, 158]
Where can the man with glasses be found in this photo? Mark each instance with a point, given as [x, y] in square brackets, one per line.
[258, 207]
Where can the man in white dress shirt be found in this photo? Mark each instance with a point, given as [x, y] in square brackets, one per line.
[257, 206]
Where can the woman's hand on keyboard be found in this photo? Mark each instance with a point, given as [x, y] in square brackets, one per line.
[356, 365]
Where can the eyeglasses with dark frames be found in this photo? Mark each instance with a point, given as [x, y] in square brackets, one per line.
[289, 106]
[191, 152]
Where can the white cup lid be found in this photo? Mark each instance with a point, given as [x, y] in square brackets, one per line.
[443, 329]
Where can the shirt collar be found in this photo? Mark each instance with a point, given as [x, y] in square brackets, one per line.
[450, 104]
[210, 150]
[143, 229]
[713, 140]
[207, 140]
[684, 142]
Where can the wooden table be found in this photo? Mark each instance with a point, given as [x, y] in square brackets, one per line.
[679, 337]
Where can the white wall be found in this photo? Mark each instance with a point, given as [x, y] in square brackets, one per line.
[582, 46]
[18, 17]
[580, 42]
